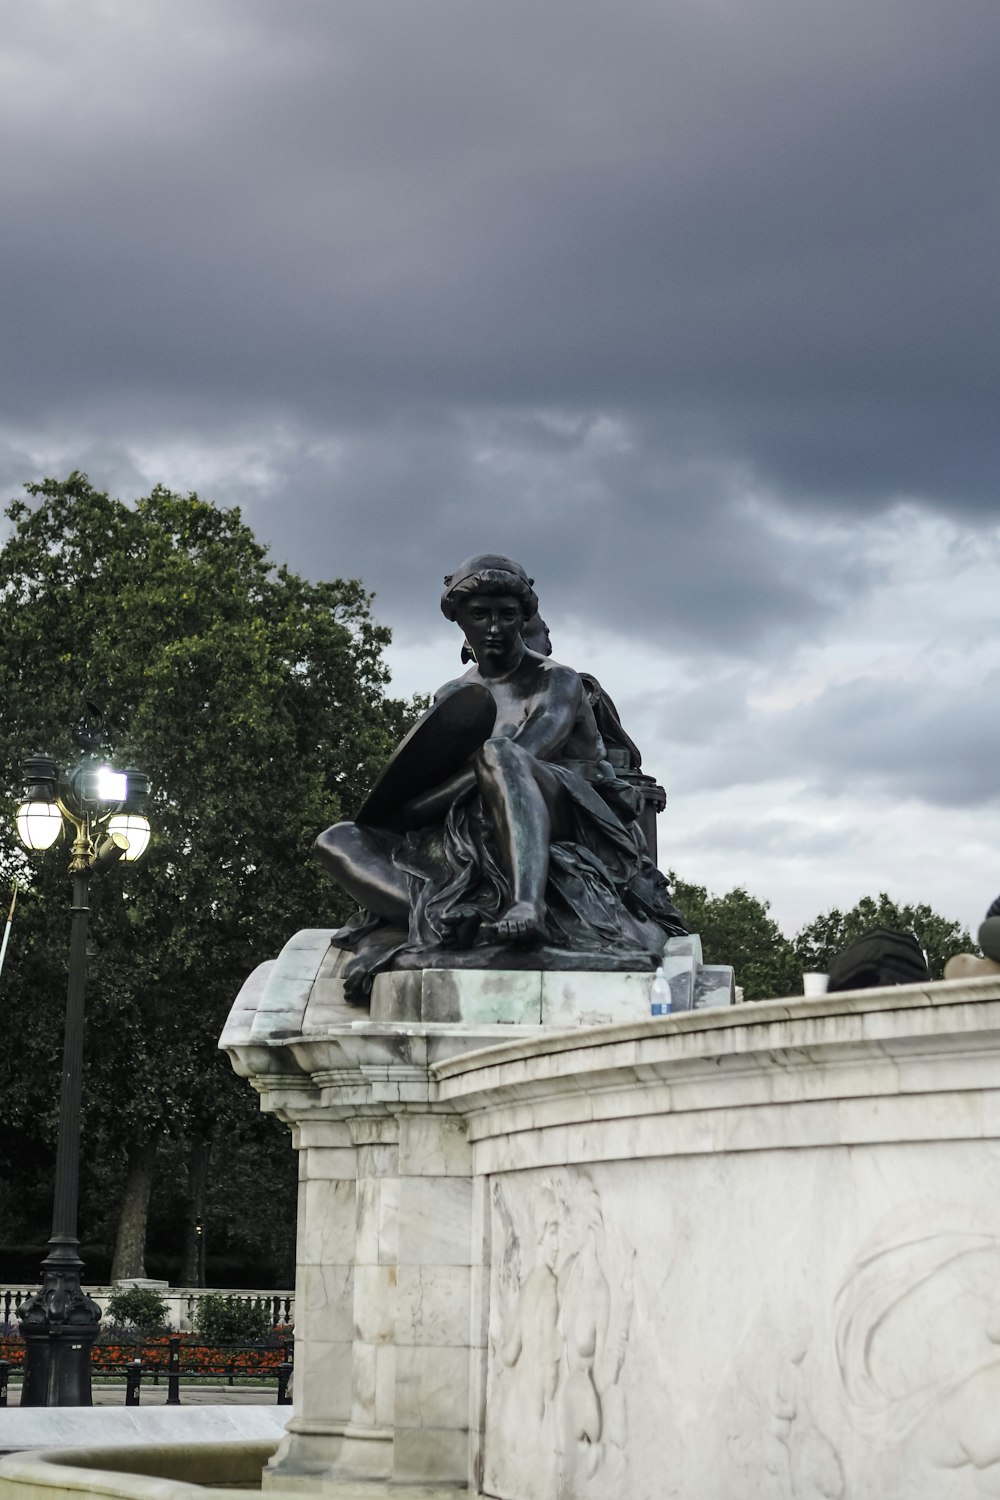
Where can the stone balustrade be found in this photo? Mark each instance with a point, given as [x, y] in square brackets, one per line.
[182, 1301]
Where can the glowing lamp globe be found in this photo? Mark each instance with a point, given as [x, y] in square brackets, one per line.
[39, 824]
[135, 829]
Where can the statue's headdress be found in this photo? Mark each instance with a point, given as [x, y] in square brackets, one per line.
[488, 573]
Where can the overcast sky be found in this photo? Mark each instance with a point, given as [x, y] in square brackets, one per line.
[689, 305]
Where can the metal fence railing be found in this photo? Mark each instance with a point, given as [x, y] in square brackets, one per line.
[175, 1360]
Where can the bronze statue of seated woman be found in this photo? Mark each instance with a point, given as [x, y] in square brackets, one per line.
[499, 835]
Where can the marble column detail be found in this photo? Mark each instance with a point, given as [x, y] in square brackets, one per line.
[435, 1256]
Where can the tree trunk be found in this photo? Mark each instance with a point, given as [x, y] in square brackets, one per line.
[130, 1242]
[193, 1265]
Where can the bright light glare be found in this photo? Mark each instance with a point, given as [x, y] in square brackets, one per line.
[39, 824]
[135, 829]
[112, 786]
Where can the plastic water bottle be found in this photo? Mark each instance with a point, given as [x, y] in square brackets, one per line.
[659, 995]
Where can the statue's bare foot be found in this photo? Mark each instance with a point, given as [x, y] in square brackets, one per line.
[522, 922]
[459, 927]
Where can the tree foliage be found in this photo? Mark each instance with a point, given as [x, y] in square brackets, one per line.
[821, 940]
[736, 929]
[256, 703]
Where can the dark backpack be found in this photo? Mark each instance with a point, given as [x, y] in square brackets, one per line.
[879, 957]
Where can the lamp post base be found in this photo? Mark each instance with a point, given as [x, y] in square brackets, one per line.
[58, 1325]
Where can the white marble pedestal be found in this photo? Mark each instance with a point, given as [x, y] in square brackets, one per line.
[733, 1253]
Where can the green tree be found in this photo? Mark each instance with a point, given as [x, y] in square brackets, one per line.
[822, 939]
[256, 703]
[736, 929]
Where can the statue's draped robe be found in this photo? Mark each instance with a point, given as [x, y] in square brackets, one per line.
[603, 896]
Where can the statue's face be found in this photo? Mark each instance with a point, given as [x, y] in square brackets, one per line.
[492, 625]
[548, 1243]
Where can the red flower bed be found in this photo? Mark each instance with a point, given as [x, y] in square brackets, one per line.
[194, 1358]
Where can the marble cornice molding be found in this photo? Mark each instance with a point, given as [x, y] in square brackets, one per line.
[739, 1029]
[362, 1068]
[864, 1067]
[899, 1044]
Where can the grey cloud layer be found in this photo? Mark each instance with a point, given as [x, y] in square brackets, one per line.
[612, 525]
[891, 739]
[763, 231]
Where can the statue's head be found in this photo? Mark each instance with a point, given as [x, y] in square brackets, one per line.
[547, 1216]
[491, 575]
[535, 636]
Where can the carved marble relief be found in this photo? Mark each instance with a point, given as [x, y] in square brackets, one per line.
[918, 1342]
[776, 1439]
[561, 1315]
[899, 1377]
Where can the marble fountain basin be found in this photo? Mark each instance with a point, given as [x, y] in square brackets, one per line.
[172, 1471]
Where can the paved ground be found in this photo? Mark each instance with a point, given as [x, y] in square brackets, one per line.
[192, 1394]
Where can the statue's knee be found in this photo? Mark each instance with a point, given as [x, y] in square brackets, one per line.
[333, 845]
[497, 754]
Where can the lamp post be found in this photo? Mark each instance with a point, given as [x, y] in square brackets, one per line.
[102, 810]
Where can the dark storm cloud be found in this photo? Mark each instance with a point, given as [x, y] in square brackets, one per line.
[620, 532]
[759, 234]
[613, 529]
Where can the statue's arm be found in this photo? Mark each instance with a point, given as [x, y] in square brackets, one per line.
[430, 806]
[553, 719]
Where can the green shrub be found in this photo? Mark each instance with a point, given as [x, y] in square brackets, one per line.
[231, 1320]
[137, 1307]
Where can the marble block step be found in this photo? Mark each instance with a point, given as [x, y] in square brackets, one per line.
[686, 946]
[695, 985]
[524, 997]
[41, 1427]
[516, 997]
[715, 984]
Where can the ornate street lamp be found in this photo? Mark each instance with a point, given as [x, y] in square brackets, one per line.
[103, 809]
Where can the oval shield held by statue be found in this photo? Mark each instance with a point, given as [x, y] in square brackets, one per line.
[440, 743]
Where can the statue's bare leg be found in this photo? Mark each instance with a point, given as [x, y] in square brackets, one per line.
[522, 801]
[359, 863]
